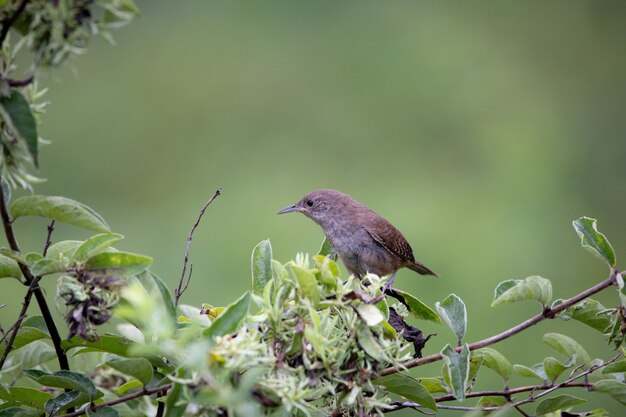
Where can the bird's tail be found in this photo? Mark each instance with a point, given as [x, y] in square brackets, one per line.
[422, 269]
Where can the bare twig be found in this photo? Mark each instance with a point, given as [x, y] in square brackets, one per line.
[144, 392]
[10, 20]
[28, 276]
[46, 246]
[545, 314]
[21, 83]
[178, 292]
[16, 326]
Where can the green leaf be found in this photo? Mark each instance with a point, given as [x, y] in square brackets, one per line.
[165, 295]
[418, 309]
[327, 250]
[15, 255]
[458, 364]
[590, 312]
[111, 344]
[567, 346]
[35, 353]
[25, 396]
[230, 320]
[47, 267]
[615, 389]
[452, 311]
[594, 241]
[307, 283]
[15, 111]
[553, 368]
[490, 401]
[11, 411]
[536, 371]
[261, 266]
[173, 406]
[139, 368]
[370, 345]
[103, 412]
[66, 400]
[33, 328]
[532, 288]
[95, 244]
[64, 379]
[433, 384]
[132, 384]
[615, 367]
[370, 314]
[407, 387]
[125, 263]
[557, 403]
[63, 249]
[494, 360]
[61, 209]
[9, 268]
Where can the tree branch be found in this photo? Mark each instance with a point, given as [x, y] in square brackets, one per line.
[9, 21]
[547, 313]
[28, 276]
[178, 292]
[144, 392]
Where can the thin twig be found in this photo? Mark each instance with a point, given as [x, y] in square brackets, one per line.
[9, 21]
[16, 326]
[28, 276]
[178, 292]
[46, 246]
[21, 83]
[144, 392]
[545, 314]
[160, 409]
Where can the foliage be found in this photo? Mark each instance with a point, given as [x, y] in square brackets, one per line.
[304, 341]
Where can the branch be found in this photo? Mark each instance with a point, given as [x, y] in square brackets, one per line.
[21, 83]
[16, 326]
[547, 313]
[178, 292]
[46, 245]
[9, 21]
[28, 276]
[144, 392]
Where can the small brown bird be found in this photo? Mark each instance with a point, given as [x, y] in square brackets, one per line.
[363, 240]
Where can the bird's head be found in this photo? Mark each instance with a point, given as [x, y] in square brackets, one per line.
[319, 205]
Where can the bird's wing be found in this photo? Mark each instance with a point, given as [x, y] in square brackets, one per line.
[393, 241]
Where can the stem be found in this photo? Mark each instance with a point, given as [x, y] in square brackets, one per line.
[16, 326]
[547, 313]
[9, 21]
[144, 392]
[41, 299]
[178, 292]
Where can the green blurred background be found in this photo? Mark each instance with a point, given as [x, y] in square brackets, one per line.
[480, 129]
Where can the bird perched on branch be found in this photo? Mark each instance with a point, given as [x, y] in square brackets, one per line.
[362, 239]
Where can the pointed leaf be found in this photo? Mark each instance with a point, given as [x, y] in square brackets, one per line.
[327, 250]
[47, 267]
[536, 371]
[407, 387]
[111, 344]
[590, 312]
[95, 244]
[66, 400]
[490, 401]
[15, 111]
[125, 263]
[615, 367]
[559, 402]
[594, 241]
[452, 311]
[9, 268]
[165, 295]
[433, 384]
[553, 368]
[532, 288]
[231, 319]
[615, 389]
[418, 309]
[261, 266]
[567, 346]
[139, 368]
[307, 283]
[34, 354]
[33, 328]
[63, 249]
[370, 314]
[61, 209]
[63, 379]
[370, 345]
[458, 369]
[25, 396]
[496, 361]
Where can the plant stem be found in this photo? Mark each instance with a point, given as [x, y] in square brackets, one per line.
[10, 20]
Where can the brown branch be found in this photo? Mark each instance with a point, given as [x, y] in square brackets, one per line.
[144, 392]
[10, 20]
[547, 313]
[28, 276]
[178, 292]
[16, 326]
[46, 245]
[21, 83]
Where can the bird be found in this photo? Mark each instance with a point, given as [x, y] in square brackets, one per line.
[364, 241]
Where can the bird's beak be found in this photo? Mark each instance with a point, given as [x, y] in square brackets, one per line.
[289, 209]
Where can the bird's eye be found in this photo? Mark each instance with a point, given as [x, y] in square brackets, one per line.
[309, 203]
